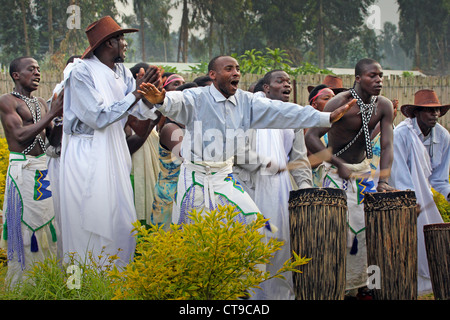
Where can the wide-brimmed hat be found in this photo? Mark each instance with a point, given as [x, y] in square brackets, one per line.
[100, 31]
[424, 98]
[333, 82]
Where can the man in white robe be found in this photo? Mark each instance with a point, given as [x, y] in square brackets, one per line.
[421, 161]
[270, 187]
[215, 117]
[97, 209]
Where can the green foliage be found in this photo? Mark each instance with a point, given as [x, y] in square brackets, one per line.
[442, 205]
[200, 68]
[407, 74]
[308, 68]
[215, 257]
[256, 62]
[4, 162]
[169, 68]
[48, 280]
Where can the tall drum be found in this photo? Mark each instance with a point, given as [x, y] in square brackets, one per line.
[391, 238]
[318, 231]
[437, 240]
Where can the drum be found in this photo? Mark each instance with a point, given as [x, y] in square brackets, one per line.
[391, 239]
[317, 218]
[437, 239]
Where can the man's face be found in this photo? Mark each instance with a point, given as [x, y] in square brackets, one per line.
[226, 75]
[279, 87]
[371, 80]
[427, 117]
[121, 46]
[29, 74]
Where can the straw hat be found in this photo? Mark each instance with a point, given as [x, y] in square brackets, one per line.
[424, 98]
[102, 30]
[333, 82]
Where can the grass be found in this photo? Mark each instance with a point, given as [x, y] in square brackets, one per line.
[49, 280]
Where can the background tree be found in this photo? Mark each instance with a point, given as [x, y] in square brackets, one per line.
[330, 25]
[18, 37]
[153, 21]
[393, 56]
[424, 32]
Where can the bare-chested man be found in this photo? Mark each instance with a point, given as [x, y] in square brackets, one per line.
[28, 205]
[349, 166]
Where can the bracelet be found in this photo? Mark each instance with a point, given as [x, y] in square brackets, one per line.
[58, 121]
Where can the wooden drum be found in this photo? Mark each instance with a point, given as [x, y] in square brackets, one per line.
[391, 239]
[318, 231]
[437, 239]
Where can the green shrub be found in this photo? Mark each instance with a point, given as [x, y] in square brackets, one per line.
[49, 280]
[216, 257]
[442, 205]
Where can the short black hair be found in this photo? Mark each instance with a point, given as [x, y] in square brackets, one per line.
[187, 85]
[259, 85]
[14, 66]
[268, 76]
[212, 63]
[359, 68]
[202, 80]
[72, 58]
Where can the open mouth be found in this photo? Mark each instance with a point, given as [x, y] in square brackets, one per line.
[234, 84]
[36, 81]
[286, 92]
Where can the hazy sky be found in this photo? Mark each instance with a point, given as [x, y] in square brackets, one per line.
[389, 11]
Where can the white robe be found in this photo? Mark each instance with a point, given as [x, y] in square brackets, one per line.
[271, 195]
[407, 145]
[97, 209]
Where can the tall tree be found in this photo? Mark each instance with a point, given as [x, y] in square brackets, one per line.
[17, 36]
[393, 55]
[152, 19]
[425, 29]
[330, 25]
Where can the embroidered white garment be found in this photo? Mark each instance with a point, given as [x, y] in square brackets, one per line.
[272, 198]
[418, 166]
[96, 193]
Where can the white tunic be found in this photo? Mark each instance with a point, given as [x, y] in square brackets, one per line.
[97, 209]
[414, 169]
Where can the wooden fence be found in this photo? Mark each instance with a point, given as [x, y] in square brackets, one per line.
[394, 87]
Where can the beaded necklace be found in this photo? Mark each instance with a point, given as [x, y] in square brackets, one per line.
[36, 114]
[366, 111]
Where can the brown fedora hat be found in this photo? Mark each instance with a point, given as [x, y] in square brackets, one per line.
[332, 82]
[100, 31]
[424, 98]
